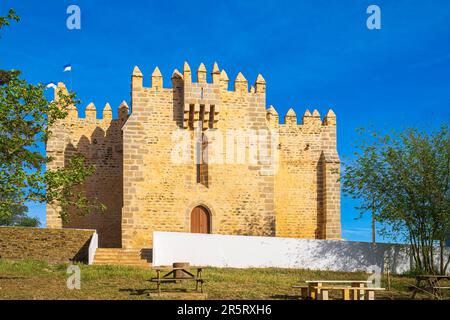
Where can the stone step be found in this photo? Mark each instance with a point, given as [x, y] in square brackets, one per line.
[123, 262]
[120, 259]
[119, 256]
[112, 261]
[117, 252]
[135, 257]
[128, 264]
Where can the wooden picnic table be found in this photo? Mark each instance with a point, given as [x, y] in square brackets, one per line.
[351, 289]
[357, 283]
[429, 283]
[174, 274]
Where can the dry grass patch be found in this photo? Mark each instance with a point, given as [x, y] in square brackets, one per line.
[39, 280]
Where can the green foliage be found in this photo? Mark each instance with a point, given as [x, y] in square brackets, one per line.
[19, 218]
[26, 117]
[6, 20]
[5, 76]
[404, 177]
[64, 188]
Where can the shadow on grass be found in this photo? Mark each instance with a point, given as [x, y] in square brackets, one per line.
[11, 278]
[150, 291]
[285, 297]
[136, 292]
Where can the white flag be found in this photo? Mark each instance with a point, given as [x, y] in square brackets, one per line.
[50, 85]
[67, 67]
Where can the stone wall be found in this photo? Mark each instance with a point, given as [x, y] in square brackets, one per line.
[159, 193]
[51, 245]
[100, 142]
[307, 189]
[292, 191]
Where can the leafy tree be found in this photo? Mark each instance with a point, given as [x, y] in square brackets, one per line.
[403, 178]
[19, 218]
[26, 118]
[5, 21]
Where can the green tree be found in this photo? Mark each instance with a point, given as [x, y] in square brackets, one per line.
[403, 179]
[26, 118]
[19, 218]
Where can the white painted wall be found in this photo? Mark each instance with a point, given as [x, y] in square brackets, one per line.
[93, 245]
[245, 251]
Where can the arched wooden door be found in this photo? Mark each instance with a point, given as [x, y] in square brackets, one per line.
[200, 220]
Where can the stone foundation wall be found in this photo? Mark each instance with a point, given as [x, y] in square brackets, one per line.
[51, 245]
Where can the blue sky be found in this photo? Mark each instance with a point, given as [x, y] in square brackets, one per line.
[313, 54]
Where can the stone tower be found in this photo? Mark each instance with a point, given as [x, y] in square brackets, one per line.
[201, 157]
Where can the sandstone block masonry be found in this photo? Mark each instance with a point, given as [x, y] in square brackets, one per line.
[51, 245]
[241, 172]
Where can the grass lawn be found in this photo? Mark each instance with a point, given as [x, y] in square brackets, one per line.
[39, 280]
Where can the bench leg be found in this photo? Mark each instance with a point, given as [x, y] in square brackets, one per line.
[313, 294]
[304, 292]
[323, 295]
[371, 295]
[354, 294]
[362, 295]
[346, 294]
[415, 290]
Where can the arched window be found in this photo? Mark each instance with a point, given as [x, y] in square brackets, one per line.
[202, 160]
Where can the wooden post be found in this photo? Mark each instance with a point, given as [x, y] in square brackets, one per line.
[373, 224]
[361, 292]
[312, 292]
[179, 273]
[158, 275]
[354, 293]
[346, 294]
[304, 293]
[388, 275]
[323, 295]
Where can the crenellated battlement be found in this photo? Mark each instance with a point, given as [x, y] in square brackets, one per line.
[73, 114]
[308, 119]
[202, 99]
[219, 80]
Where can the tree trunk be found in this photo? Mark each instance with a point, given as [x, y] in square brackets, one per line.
[373, 227]
[441, 258]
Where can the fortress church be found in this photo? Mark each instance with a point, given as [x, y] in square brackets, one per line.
[287, 188]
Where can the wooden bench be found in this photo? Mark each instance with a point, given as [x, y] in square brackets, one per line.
[174, 275]
[337, 284]
[429, 284]
[438, 291]
[304, 292]
[350, 289]
[348, 293]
